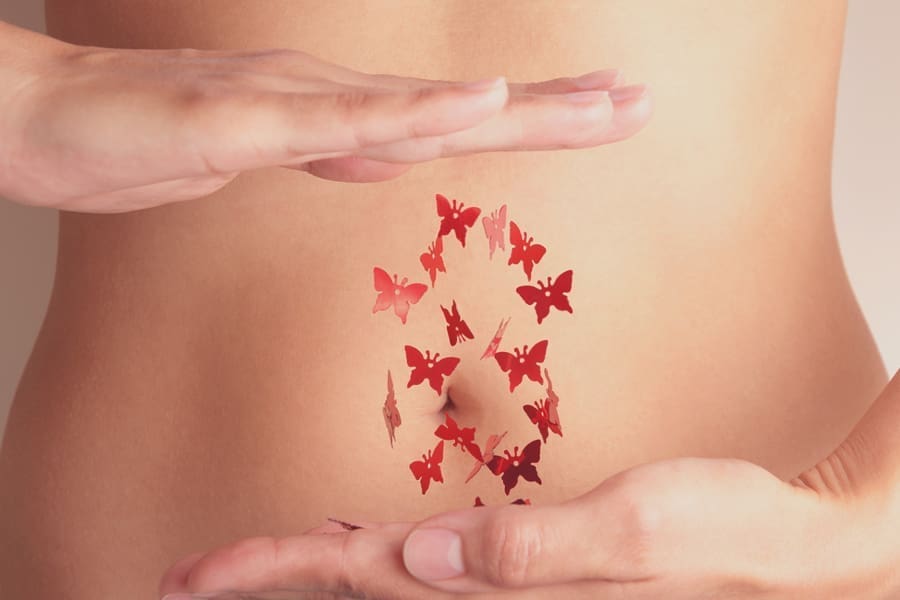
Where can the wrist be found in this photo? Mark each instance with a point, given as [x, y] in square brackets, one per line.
[24, 57]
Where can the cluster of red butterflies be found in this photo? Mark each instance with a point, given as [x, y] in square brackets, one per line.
[397, 293]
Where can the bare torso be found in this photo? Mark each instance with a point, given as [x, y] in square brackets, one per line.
[213, 370]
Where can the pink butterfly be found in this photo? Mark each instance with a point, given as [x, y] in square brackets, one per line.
[432, 260]
[429, 468]
[554, 402]
[494, 227]
[524, 250]
[428, 367]
[544, 296]
[391, 414]
[491, 350]
[456, 218]
[396, 294]
[524, 363]
[483, 457]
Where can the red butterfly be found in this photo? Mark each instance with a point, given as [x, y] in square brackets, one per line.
[432, 260]
[545, 296]
[463, 438]
[493, 229]
[481, 458]
[399, 295]
[491, 350]
[524, 363]
[457, 329]
[428, 367]
[523, 249]
[517, 465]
[554, 402]
[456, 218]
[539, 414]
[429, 468]
[391, 414]
[345, 524]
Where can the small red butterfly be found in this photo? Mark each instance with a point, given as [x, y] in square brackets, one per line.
[396, 294]
[524, 250]
[432, 260]
[483, 457]
[463, 438]
[457, 329]
[494, 227]
[545, 296]
[517, 465]
[554, 402]
[491, 350]
[391, 414]
[455, 218]
[429, 468]
[524, 363]
[345, 524]
[428, 367]
[539, 413]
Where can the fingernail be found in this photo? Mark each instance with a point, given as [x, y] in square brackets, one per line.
[178, 596]
[484, 84]
[628, 92]
[431, 554]
[591, 97]
[596, 79]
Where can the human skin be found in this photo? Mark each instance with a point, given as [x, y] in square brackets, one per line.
[211, 371]
[71, 115]
[683, 528]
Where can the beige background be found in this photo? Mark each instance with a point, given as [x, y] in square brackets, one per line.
[866, 195]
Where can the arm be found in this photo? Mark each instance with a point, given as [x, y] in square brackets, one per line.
[676, 529]
[108, 130]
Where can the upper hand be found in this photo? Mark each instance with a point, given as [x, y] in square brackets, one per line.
[108, 130]
[676, 529]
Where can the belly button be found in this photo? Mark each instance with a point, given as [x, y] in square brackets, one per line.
[448, 404]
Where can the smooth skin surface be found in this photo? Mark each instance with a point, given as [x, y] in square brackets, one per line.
[210, 371]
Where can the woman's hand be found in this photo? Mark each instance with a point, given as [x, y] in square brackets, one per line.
[105, 130]
[677, 529]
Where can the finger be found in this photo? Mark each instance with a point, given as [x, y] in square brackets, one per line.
[148, 196]
[597, 80]
[512, 547]
[362, 561]
[175, 577]
[249, 131]
[535, 122]
[353, 169]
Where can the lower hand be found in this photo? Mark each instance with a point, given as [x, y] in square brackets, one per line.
[109, 130]
[676, 529]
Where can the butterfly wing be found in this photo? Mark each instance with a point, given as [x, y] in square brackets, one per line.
[531, 367]
[441, 369]
[559, 289]
[385, 288]
[415, 360]
[408, 295]
[532, 295]
[539, 418]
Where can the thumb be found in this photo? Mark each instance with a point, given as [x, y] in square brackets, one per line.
[867, 463]
[512, 546]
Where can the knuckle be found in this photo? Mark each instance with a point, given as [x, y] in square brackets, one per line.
[511, 544]
[642, 521]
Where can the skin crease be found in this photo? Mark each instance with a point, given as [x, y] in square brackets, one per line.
[193, 384]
